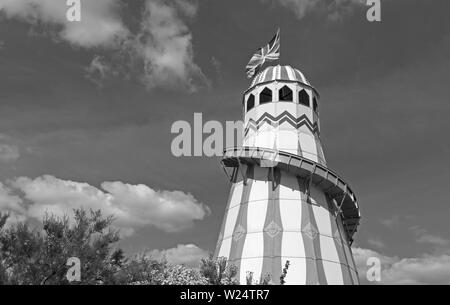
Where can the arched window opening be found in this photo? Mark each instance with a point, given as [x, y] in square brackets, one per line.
[303, 98]
[285, 94]
[250, 102]
[265, 96]
[315, 104]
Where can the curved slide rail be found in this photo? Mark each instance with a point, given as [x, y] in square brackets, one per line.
[318, 175]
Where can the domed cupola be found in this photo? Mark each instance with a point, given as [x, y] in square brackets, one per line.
[280, 106]
[281, 73]
[272, 77]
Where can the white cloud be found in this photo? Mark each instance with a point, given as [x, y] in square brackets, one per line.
[134, 206]
[424, 237]
[170, 211]
[189, 255]
[165, 45]
[435, 240]
[391, 222]
[426, 269]
[376, 242]
[100, 25]
[162, 44]
[300, 7]
[335, 10]
[11, 204]
[217, 65]
[98, 70]
[395, 220]
[8, 152]
[8, 201]
[187, 7]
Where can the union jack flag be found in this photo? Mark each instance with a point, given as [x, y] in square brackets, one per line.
[270, 52]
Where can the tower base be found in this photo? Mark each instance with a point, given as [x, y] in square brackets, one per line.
[274, 216]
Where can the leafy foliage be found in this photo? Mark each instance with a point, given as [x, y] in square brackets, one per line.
[31, 257]
[283, 275]
[180, 275]
[218, 272]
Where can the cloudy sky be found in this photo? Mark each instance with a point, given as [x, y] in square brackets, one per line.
[86, 110]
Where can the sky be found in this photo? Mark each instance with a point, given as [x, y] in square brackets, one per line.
[86, 110]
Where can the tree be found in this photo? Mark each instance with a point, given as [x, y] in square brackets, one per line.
[181, 275]
[31, 256]
[218, 271]
[142, 270]
[283, 275]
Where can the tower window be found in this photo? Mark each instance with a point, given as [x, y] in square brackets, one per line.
[265, 96]
[250, 102]
[315, 104]
[303, 98]
[285, 94]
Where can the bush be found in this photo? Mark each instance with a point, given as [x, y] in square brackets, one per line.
[32, 257]
[218, 272]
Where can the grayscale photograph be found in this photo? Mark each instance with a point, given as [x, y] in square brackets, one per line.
[224, 148]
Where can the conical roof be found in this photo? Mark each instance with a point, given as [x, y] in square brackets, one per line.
[286, 73]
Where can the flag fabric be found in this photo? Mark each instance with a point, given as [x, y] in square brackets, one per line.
[268, 53]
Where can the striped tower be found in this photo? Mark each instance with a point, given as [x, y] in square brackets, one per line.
[284, 203]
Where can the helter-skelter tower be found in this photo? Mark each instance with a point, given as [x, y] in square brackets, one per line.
[284, 203]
